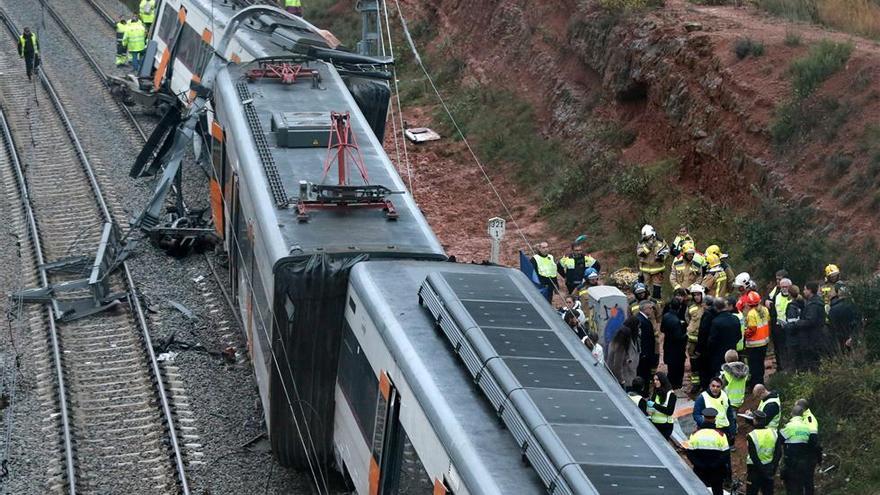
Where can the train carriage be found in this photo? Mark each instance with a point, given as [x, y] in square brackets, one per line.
[331, 264]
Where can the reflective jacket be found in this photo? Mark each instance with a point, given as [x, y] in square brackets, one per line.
[652, 255]
[28, 48]
[716, 283]
[764, 442]
[135, 37]
[546, 265]
[693, 316]
[662, 411]
[685, 273]
[772, 407]
[574, 265]
[757, 327]
[735, 376]
[293, 3]
[147, 11]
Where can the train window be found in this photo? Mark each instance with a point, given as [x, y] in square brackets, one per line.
[352, 305]
[358, 383]
[168, 25]
[192, 51]
[414, 478]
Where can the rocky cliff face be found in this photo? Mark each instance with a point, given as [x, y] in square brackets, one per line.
[672, 78]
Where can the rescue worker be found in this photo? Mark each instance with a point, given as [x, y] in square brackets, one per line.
[687, 269]
[121, 55]
[709, 452]
[801, 444]
[29, 50]
[778, 301]
[844, 320]
[734, 374]
[743, 284]
[661, 407]
[652, 252]
[681, 238]
[715, 398]
[769, 404]
[693, 318]
[573, 265]
[135, 41]
[832, 276]
[757, 335]
[294, 7]
[545, 267]
[591, 279]
[147, 14]
[640, 293]
[813, 425]
[723, 259]
[764, 451]
[715, 280]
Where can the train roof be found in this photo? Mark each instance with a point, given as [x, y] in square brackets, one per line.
[477, 442]
[285, 112]
[588, 429]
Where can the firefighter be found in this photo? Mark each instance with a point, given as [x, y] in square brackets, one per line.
[121, 54]
[693, 316]
[763, 454]
[591, 279]
[640, 293]
[29, 50]
[135, 41]
[652, 252]
[715, 280]
[573, 265]
[294, 7]
[709, 452]
[687, 269]
[832, 276]
[723, 258]
[147, 13]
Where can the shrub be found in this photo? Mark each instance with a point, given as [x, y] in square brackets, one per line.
[824, 59]
[743, 47]
[792, 38]
[837, 165]
[791, 122]
[798, 10]
[623, 6]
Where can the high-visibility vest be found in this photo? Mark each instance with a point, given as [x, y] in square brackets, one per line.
[796, 431]
[569, 263]
[708, 439]
[742, 332]
[546, 265]
[135, 38]
[780, 302]
[735, 388]
[147, 11]
[774, 423]
[21, 42]
[720, 404]
[765, 443]
[121, 27]
[293, 3]
[659, 417]
[811, 421]
[760, 336]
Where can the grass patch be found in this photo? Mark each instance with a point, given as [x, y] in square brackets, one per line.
[626, 6]
[746, 46]
[824, 59]
[792, 39]
[837, 165]
[341, 20]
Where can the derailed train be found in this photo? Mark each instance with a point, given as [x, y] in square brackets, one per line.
[372, 353]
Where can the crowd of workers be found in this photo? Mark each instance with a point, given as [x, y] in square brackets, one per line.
[132, 34]
[714, 318]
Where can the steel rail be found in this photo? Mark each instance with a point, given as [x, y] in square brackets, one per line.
[134, 300]
[70, 460]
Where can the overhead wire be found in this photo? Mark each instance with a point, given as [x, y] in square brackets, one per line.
[409, 171]
[464, 139]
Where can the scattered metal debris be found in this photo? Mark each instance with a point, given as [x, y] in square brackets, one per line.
[421, 134]
[183, 309]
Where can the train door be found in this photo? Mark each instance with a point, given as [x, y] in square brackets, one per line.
[232, 244]
[387, 440]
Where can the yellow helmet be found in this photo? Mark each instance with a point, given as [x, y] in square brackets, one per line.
[688, 247]
[713, 260]
[714, 249]
[832, 270]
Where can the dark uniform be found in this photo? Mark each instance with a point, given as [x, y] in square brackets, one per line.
[709, 452]
[29, 50]
[801, 447]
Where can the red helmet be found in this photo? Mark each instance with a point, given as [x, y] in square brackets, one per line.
[753, 298]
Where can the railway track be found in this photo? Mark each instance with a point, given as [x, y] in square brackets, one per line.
[117, 432]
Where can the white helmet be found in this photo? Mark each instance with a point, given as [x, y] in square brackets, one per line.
[742, 280]
[696, 288]
[648, 231]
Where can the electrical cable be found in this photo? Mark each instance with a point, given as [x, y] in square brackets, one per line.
[467, 144]
[409, 172]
